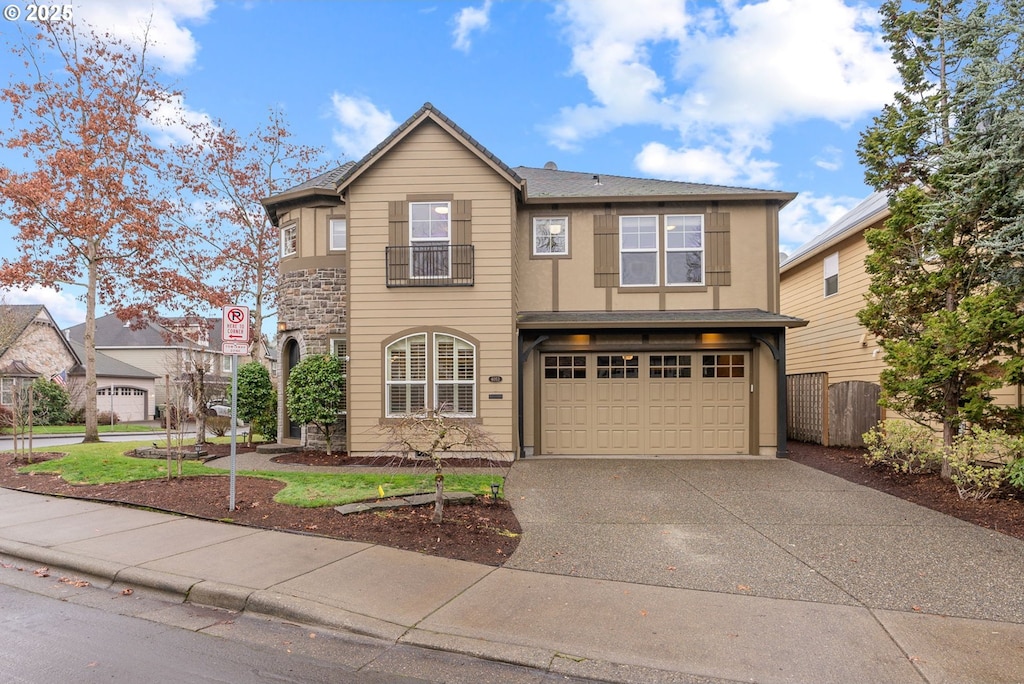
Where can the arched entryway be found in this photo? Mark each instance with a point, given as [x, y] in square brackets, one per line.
[291, 358]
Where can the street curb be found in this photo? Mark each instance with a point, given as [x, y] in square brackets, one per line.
[287, 607]
[95, 568]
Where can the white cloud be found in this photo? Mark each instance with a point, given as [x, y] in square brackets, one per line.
[708, 164]
[161, 21]
[740, 70]
[468, 20]
[830, 158]
[363, 125]
[808, 215]
[170, 121]
[62, 305]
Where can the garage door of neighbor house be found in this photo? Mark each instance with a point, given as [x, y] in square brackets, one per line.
[649, 403]
[128, 403]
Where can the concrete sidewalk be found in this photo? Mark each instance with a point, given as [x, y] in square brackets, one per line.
[631, 571]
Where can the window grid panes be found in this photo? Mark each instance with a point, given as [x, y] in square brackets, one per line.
[339, 348]
[565, 367]
[684, 249]
[339, 233]
[618, 366]
[638, 250]
[670, 366]
[722, 366]
[407, 375]
[289, 239]
[430, 238]
[6, 391]
[551, 236]
[454, 376]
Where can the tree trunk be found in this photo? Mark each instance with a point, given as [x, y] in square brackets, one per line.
[92, 433]
[438, 498]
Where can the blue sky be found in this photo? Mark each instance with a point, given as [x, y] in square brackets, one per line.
[760, 93]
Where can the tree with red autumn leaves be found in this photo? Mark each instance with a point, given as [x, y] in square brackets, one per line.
[90, 205]
[225, 175]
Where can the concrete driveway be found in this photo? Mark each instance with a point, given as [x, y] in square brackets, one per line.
[759, 527]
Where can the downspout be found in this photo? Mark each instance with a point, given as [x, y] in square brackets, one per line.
[524, 354]
[781, 396]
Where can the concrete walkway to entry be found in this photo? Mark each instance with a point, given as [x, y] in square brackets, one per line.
[628, 570]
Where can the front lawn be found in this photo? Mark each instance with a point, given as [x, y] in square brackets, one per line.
[104, 463]
[80, 429]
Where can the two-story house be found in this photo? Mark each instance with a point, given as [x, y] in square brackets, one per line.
[566, 313]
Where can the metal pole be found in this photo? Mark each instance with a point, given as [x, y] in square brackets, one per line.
[234, 412]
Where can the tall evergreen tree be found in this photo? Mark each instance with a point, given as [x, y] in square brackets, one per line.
[947, 320]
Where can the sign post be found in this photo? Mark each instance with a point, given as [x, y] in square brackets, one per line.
[235, 342]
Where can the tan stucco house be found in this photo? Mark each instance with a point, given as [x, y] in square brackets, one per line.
[567, 313]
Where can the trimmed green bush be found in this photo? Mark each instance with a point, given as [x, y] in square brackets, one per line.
[903, 446]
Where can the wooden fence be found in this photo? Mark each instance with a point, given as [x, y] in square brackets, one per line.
[836, 415]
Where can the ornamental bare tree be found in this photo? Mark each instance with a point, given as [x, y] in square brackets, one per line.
[89, 205]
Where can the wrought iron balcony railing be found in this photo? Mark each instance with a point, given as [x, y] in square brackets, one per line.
[429, 265]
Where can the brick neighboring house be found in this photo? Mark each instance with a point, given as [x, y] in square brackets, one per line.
[32, 346]
[162, 349]
[566, 313]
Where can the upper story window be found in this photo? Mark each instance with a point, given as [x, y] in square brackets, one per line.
[831, 270]
[684, 250]
[551, 236]
[225, 363]
[638, 250]
[339, 234]
[289, 239]
[430, 239]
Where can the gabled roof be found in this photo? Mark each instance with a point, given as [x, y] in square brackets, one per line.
[107, 366]
[872, 209]
[424, 113]
[16, 319]
[549, 184]
[111, 332]
[323, 185]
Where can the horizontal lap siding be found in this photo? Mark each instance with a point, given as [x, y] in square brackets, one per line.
[831, 341]
[429, 161]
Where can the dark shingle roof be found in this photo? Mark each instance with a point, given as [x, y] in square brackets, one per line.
[555, 184]
[325, 181]
[696, 318]
[107, 366]
[111, 331]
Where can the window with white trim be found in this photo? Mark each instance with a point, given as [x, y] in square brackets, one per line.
[684, 249]
[225, 363]
[638, 250]
[289, 239]
[452, 375]
[7, 391]
[551, 236]
[831, 271]
[430, 239]
[339, 234]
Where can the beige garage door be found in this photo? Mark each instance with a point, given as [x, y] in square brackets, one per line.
[656, 404]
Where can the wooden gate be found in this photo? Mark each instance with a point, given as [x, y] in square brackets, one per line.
[807, 407]
[852, 410]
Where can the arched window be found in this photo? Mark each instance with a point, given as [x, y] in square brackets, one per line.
[452, 375]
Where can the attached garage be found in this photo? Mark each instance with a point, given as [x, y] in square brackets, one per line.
[645, 403]
[127, 403]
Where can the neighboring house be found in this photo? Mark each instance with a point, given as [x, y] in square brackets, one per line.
[166, 350]
[32, 346]
[825, 282]
[566, 313]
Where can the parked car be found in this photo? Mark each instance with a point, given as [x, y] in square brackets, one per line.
[221, 410]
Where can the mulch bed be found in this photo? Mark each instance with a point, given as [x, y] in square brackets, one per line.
[1004, 515]
[483, 531]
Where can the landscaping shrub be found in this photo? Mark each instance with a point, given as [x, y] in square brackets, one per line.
[218, 426]
[51, 404]
[980, 461]
[6, 420]
[903, 446]
[104, 418]
[1015, 474]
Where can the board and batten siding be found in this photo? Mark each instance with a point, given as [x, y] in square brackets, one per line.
[833, 341]
[430, 161]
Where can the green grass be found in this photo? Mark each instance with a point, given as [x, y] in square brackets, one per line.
[104, 463]
[80, 429]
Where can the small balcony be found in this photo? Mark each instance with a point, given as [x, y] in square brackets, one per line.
[429, 265]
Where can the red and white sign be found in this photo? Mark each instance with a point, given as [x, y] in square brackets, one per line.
[235, 324]
[234, 348]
